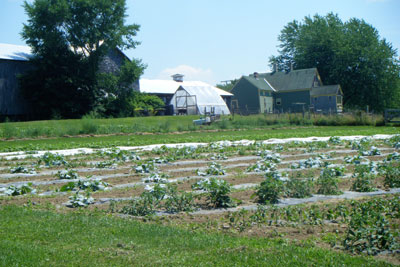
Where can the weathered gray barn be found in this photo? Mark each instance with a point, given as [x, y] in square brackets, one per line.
[14, 61]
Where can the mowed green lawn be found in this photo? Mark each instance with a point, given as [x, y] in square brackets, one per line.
[45, 238]
[196, 136]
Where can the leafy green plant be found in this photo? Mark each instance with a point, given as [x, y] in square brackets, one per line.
[19, 190]
[213, 168]
[145, 167]
[89, 184]
[363, 179]
[269, 156]
[270, 190]
[368, 232]
[106, 164]
[67, 174]
[23, 169]
[217, 191]
[392, 176]
[79, 200]
[179, 201]
[148, 201]
[160, 178]
[299, 188]
[117, 154]
[328, 183]
[335, 140]
[50, 159]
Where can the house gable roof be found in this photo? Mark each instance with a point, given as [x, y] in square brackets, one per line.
[259, 83]
[326, 90]
[293, 80]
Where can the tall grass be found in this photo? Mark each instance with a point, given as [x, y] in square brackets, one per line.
[166, 124]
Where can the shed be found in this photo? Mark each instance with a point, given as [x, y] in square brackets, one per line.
[192, 100]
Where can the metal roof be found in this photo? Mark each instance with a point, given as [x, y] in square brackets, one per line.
[15, 52]
[170, 86]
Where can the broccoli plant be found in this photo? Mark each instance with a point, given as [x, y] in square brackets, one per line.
[20, 190]
[23, 169]
[67, 174]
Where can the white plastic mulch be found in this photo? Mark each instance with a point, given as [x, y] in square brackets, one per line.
[76, 151]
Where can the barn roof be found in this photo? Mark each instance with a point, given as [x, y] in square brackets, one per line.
[170, 86]
[15, 52]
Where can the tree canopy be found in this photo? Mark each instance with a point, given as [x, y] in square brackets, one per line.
[69, 39]
[350, 53]
[228, 85]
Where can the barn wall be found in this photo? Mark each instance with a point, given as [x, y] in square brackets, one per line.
[11, 100]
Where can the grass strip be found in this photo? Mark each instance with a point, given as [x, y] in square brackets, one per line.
[31, 237]
[200, 136]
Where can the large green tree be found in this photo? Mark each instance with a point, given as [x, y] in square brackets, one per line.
[69, 39]
[349, 53]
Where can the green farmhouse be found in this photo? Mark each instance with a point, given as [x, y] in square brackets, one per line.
[281, 92]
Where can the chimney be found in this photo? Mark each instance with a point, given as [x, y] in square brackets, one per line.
[178, 77]
[255, 74]
[291, 66]
[275, 67]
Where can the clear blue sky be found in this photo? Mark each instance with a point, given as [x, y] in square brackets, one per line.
[215, 40]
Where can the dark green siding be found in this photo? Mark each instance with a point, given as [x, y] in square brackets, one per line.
[247, 96]
[289, 98]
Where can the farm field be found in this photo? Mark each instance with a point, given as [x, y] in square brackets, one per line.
[339, 197]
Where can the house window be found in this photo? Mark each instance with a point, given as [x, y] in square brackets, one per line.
[330, 98]
[278, 101]
[339, 99]
[315, 99]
